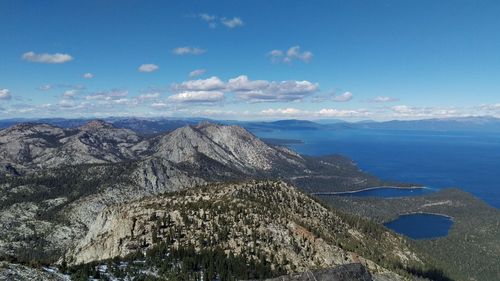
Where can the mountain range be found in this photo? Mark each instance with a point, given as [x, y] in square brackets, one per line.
[95, 193]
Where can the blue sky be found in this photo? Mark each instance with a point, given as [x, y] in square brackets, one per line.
[237, 59]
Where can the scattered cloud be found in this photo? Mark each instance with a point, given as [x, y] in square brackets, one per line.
[344, 97]
[159, 105]
[148, 67]
[214, 20]
[197, 97]
[5, 94]
[69, 94]
[88, 75]
[292, 54]
[283, 112]
[197, 72]
[112, 95]
[45, 87]
[383, 99]
[148, 96]
[56, 58]
[232, 23]
[180, 51]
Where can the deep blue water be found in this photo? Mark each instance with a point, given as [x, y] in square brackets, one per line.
[421, 226]
[387, 192]
[467, 160]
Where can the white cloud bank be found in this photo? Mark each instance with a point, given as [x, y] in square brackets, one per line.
[245, 89]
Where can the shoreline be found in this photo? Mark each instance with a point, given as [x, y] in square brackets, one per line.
[369, 188]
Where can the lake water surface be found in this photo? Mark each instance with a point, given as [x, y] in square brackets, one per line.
[467, 160]
[421, 226]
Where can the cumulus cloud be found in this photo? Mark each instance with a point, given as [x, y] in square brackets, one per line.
[88, 75]
[197, 97]
[232, 23]
[293, 53]
[382, 99]
[47, 58]
[186, 50]
[197, 72]
[148, 67]
[5, 94]
[209, 84]
[252, 90]
[344, 97]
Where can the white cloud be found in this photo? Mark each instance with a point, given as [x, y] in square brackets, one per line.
[209, 84]
[252, 90]
[197, 97]
[214, 20]
[159, 105]
[283, 112]
[111, 95]
[284, 91]
[188, 51]
[88, 75]
[5, 94]
[210, 19]
[45, 87]
[232, 23]
[148, 67]
[46, 58]
[344, 97]
[293, 53]
[382, 99]
[69, 94]
[322, 113]
[148, 96]
[427, 112]
[332, 112]
[197, 72]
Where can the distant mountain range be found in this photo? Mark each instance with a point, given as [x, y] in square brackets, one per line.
[153, 126]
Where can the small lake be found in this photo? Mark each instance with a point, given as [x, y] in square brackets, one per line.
[421, 226]
[385, 192]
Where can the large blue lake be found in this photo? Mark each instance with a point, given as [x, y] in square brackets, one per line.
[467, 160]
[421, 226]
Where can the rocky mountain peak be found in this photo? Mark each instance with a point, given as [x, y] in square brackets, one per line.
[96, 125]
